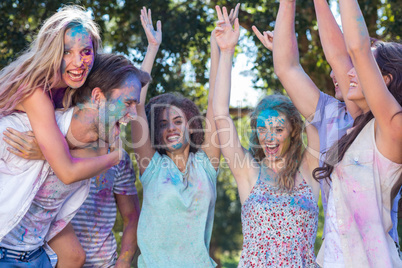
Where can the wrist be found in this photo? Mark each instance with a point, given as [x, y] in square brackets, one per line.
[153, 47]
[228, 51]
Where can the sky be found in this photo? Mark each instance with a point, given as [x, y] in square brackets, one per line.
[243, 94]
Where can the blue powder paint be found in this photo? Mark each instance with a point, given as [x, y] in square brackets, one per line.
[79, 29]
[265, 115]
[177, 146]
[22, 237]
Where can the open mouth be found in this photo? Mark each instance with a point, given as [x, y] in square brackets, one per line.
[353, 84]
[272, 149]
[76, 75]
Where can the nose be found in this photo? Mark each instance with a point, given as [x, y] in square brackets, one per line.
[132, 111]
[352, 73]
[77, 60]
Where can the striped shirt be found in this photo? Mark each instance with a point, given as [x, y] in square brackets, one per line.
[94, 221]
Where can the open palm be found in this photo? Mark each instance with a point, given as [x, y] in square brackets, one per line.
[154, 37]
[226, 36]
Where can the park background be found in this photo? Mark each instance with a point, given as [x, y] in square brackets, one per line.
[183, 60]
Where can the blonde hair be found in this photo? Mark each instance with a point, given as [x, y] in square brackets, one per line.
[294, 155]
[39, 65]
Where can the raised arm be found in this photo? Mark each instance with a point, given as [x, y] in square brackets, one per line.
[300, 88]
[385, 108]
[139, 128]
[211, 144]
[238, 159]
[335, 51]
[54, 147]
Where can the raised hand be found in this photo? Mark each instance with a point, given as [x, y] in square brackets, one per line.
[234, 14]
[154, 37]
[267, 38]
[225, 35]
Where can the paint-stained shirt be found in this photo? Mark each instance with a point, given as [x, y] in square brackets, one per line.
[35, 204]
[361, 188]
[332, 120]
[177, 213]
[94, 222]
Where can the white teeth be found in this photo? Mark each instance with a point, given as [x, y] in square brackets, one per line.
[173, 138]
[336, 84]
[353, 84]
[272, 146]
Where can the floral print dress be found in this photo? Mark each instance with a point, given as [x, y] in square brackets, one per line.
[279, 227]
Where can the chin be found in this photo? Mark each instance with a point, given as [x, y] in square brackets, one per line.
[338, 96]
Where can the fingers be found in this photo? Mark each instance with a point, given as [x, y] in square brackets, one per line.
[219, 13]
[159, 26]
[236, 11]
[225, 15]
[237, 25]
[149, 16]
[14, 144]
[257, 33]
[16, 152]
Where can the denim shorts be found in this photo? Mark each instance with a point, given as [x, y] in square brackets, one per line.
[35, 258]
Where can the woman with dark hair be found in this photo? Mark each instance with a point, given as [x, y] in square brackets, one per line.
[277, 191]
[178, 162]
[365, 167]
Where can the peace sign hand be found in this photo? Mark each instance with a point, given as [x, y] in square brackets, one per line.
[267, 38]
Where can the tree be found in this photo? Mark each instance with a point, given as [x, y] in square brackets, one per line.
[182, 63]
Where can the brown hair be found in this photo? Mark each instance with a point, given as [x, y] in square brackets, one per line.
[158, 104]
[109, 72]
[389, 60]
[294, 154]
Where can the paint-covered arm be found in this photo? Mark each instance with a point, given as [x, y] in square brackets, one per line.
[140, 128]
[300, 88]
[129, 208]
[335, 51]
[385, 108]
[54, 147]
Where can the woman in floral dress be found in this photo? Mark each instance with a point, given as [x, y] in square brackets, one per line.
[276, 188]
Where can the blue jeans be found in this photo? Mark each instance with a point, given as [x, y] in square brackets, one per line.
[38, 259]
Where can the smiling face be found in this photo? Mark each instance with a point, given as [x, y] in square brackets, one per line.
[173, 129]
[338, 93]
[355, 91]
[78, 57]
[273, 132]
[119, 109]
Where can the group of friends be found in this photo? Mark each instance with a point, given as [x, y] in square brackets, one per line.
[63, 173]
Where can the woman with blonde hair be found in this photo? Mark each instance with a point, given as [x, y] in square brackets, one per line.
[59, 58]
[277, 191]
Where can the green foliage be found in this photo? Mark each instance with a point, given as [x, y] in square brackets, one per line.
[181, 65]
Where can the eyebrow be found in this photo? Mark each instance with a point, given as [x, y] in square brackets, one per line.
[178, 117]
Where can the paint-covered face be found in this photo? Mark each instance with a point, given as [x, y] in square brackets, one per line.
[119, 109]
[78, 57]
[274, 132]
[173, 128]
[355, 91]
[338, 93]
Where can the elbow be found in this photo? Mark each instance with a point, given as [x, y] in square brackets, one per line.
[358, 48]
[69, 177]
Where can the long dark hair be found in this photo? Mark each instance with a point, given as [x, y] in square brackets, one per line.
[389, 60]
[154, 110]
